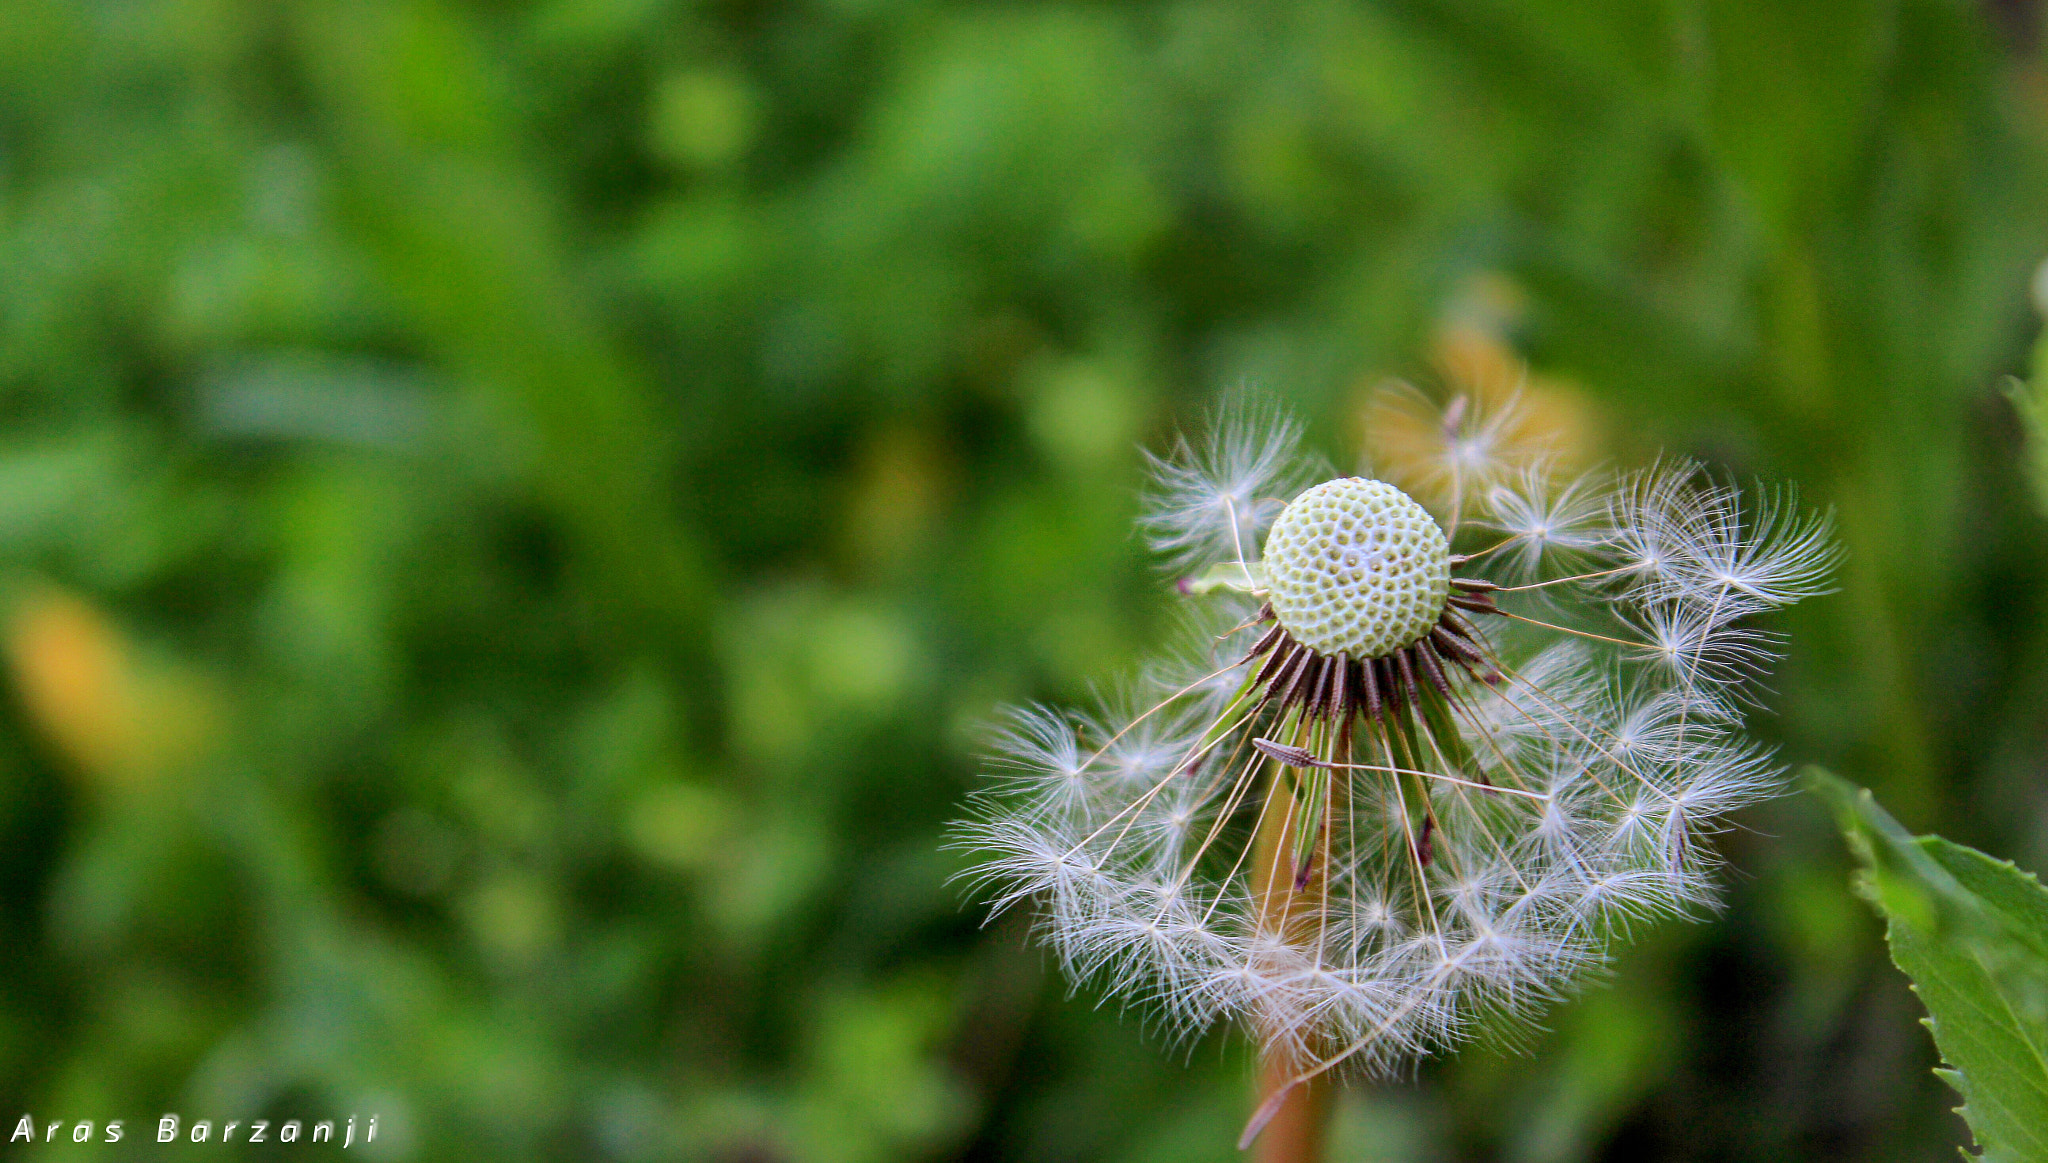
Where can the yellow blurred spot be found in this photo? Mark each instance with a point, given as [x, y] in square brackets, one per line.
[119, 725]
[1493, 416]
[1555, 419]
[73, 672]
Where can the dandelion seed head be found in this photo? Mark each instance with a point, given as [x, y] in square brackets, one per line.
[1356, 567]
[1378, 801]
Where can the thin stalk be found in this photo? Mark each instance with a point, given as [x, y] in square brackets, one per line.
[1296, 1133]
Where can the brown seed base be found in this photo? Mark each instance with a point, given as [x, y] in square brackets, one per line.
[1340, 689]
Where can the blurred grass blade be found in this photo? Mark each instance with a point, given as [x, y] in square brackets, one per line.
[2031, 402]
[1972, 934]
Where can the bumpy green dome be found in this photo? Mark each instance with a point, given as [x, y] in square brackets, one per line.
[1356, 567]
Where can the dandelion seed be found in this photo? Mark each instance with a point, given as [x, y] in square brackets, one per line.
[1213, 499]
[1381, 795]
[1546, 520]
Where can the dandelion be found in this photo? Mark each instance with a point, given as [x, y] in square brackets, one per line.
[1431, 750]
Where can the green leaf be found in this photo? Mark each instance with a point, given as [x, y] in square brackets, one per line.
[1972, 933]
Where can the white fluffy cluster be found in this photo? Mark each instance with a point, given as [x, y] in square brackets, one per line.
[1215, 497]
[1572, 803]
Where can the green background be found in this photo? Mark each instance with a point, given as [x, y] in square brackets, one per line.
[514, 518]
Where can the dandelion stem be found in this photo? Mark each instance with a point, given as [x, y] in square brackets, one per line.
[1294, 1130]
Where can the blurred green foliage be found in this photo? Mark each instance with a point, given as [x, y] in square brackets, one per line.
[512, 516]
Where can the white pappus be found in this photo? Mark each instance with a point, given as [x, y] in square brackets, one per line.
[1423, 757]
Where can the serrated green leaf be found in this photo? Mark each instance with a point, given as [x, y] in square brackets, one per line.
[1972, 934]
